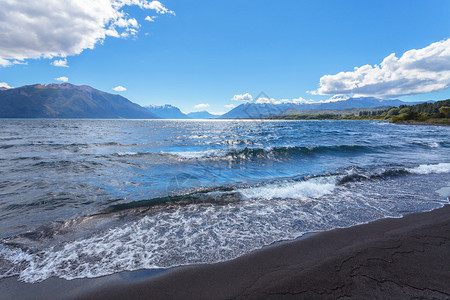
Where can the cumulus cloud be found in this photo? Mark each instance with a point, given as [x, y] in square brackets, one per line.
[265, 100]
[62, 78]
[298, 100]
[336, 98]
[119, 88]
[243, 97]
[201, 106]
[60, 63]
[415, 72]
[150, 19]
[54, 28]
[5, 86]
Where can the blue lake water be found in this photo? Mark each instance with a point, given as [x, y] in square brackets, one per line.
[86, 198]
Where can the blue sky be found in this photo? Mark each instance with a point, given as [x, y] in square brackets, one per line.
[206, 52]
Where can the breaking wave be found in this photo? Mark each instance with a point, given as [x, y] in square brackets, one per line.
[431, 169]
[275, 152]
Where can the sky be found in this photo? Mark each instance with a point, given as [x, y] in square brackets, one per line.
[214, 55]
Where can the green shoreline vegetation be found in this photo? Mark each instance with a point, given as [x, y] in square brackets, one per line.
[437, 113]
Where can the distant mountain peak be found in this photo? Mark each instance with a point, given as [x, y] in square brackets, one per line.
[161, 106]
[202, 115]
[166, 111]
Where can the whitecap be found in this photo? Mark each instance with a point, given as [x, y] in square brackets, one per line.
[432, 168]
[128, 153]
[198, 154]
[313, 188]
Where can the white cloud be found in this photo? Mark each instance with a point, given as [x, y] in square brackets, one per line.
[336, 98]
[4, 85]
[60, 63]
[150, 19]
[155, 5]
[201, 106]
[54, 28]
[298, 100]
[243, 97]
[230, 106]
[7, 63]
[415, 72]
[119, 88]
[62, 78]
[265, 100]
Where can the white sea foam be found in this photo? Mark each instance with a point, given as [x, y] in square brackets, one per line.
[127, 153]
[312, 188]
[183, 236]
[14, 260]
[429, 169]
[444, 191]
[214, 153]
[198, 154]
[434, 145]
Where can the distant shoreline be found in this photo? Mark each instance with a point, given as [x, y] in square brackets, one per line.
[420, 123]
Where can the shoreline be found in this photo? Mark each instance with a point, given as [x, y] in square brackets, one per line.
[420, 123]
[395, 257]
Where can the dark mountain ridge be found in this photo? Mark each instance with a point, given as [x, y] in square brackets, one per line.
[66, 100]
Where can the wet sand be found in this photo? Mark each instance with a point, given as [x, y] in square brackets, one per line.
[387, 259]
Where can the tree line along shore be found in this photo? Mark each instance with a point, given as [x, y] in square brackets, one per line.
[424, 113]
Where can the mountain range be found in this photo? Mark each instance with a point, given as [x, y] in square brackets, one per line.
[253, 110]
[66, 100]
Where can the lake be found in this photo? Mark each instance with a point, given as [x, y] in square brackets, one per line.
[86, 198]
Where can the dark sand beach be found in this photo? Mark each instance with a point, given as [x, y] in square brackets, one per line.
[387, 259]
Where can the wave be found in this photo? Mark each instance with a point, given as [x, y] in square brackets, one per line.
[301, 188]
[313, 188]
[218, 197]
[198, 154]
[275, 152]
[431, 169]
[429, 144]
[129, 153]
[64, 146]
[363, 176]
